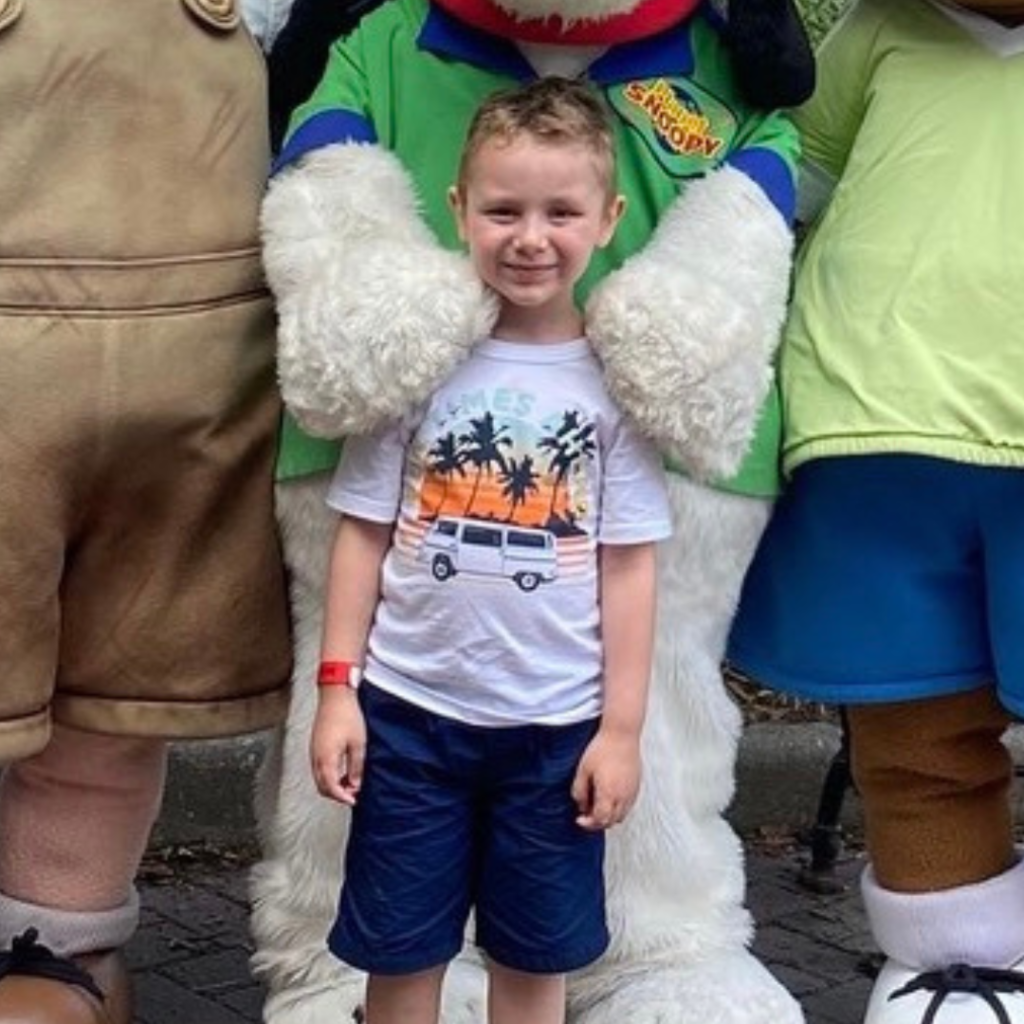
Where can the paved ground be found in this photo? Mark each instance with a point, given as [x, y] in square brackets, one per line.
[191, 967]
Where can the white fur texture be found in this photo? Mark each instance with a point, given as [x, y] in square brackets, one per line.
[686, 328]
[354, 349]
[674, 870]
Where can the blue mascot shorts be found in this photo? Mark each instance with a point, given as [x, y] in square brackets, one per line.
[889, 578]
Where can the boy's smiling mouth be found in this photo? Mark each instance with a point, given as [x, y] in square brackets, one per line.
[530, 268]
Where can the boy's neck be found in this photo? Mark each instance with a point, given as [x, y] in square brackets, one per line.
[530, 326]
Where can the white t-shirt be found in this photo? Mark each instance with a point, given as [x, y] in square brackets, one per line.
[501, 491]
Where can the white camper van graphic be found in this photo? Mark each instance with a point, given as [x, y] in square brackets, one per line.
[523, 555]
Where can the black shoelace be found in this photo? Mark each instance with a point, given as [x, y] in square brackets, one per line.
[29, 958]
[984, 982]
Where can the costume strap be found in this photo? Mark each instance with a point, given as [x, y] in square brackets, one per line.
[27, 957]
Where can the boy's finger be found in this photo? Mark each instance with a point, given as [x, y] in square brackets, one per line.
[344, 792]
[582, 792]
[604, 809]
[598, 817]
[355, 763]
[328, 786]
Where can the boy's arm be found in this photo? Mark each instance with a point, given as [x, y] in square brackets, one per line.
[353, 587]
[338, 742]
[608, 777]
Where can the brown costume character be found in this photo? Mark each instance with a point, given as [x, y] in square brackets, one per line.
[142, 591]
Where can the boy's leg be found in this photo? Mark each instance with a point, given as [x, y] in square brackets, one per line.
[516, 997]
[540, 893]
[409, 862]
[405, 998]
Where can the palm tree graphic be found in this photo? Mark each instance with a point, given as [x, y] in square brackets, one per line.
[569, 444]
[482, 446]
[518, 480]
[446, 458]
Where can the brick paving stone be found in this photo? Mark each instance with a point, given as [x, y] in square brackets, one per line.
[162, 1001]
[190, 956]
[839, 1004]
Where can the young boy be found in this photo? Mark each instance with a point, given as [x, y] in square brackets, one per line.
[492, 581]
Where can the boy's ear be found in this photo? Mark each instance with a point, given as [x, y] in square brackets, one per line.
[458, 210]
[616, 208]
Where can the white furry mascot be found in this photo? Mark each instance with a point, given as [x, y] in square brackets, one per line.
[377, 304]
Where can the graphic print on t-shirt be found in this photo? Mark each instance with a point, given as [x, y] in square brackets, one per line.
[500, 493]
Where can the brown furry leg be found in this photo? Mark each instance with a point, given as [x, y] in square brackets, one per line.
[934, 777]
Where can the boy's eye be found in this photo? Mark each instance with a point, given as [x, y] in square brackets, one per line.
[501, 214]
[561, 214]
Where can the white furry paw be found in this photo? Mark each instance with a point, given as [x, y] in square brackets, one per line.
[688, 367]
[731, 988]
[464, 1000]
[374, 334]
[335, 1000]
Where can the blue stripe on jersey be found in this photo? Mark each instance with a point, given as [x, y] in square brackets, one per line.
[327, 128]
[772, 173]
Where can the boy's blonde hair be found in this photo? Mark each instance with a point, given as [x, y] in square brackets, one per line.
[550, 110]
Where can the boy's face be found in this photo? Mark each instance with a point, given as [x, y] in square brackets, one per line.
[531, 214]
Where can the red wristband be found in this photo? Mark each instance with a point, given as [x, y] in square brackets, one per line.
[339, 673]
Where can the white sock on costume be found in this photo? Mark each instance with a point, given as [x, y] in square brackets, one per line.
[980, 924]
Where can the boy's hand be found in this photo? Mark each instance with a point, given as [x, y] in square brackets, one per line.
[338, 745]
[607, 780]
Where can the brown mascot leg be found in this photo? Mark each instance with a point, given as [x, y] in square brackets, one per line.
[75, 820]
[944, 891]
[934, 778]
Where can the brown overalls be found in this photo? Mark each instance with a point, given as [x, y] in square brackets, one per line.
[141, 588]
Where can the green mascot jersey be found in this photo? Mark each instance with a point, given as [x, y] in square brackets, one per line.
[907, 329]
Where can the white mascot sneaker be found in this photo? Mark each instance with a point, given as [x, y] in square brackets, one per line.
[959, 994]
[951, 933]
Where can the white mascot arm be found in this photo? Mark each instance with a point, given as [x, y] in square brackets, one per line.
[688, 326]
[373, 312]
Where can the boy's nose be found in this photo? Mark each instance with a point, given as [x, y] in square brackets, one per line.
[531, 236]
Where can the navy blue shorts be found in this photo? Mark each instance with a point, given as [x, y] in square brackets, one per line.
[889, 578]
[454, 817]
